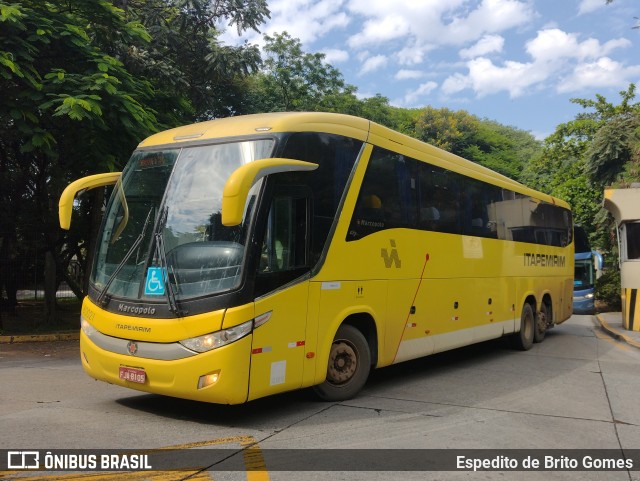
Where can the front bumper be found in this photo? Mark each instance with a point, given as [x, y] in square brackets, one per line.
[179, 377]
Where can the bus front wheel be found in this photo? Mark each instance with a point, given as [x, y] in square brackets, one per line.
[348, 367]
[523, 340]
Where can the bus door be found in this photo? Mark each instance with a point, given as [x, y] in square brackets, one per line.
[279, 342]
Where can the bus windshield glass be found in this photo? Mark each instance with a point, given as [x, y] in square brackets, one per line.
[584, 273]
[162, 229]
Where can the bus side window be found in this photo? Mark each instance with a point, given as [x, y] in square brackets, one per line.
[439, 199]
[477, 200]
[387, 197]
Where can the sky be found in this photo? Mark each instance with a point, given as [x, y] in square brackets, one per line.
[518, 62]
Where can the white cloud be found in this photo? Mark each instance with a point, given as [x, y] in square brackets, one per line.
[553, 44]
[602, 73]
[411, 99]
[373, 63]
[487, 44]
[334, 55]
[440, 22]
[456, 83]
[514, 77]
[408, 74]
[313, 18]
[413, 53]
[363, 55]
[553, 53]
[380, 30]
[491, 16]
[588, 6]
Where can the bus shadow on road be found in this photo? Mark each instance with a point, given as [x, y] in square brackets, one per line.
[422, 373]
[250, 414]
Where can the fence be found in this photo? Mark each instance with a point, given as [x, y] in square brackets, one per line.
[22, 275]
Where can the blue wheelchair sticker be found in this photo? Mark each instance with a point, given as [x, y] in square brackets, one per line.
[154, 285]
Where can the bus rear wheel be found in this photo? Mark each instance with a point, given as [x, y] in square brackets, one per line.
[523, 340]
[348, 367]
[542, 322]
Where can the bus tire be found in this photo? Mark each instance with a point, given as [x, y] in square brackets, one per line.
[542, 320]
[348, 367]
[523, 339]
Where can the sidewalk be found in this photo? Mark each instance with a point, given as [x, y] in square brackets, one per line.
[48, 337]
[27, 324]
[611, 323]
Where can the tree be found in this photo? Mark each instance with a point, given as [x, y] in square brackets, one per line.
[293, 80]
[196, 77]
[84, 82]
[446, 129]
[65, 101]
[498, 147]
[614, 146]
[588, 153]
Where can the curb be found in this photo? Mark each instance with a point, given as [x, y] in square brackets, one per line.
[617, 334]
[54, 336]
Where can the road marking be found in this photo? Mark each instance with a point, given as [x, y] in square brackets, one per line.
[606, 337]
[256, 469]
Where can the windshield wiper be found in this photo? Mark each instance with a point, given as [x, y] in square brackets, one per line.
[102, 299]
[164, 266]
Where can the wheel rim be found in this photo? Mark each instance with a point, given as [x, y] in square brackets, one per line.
[343, 362]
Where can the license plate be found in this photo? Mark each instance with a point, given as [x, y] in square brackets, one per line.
[132, 374]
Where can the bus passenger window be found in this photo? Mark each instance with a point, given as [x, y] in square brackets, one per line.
[387, 198]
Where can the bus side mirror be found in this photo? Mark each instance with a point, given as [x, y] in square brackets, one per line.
[236, 189]
[65, 206]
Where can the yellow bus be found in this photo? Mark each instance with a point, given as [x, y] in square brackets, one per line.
[252, 255]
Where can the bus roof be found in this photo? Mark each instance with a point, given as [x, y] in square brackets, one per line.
[333, 123]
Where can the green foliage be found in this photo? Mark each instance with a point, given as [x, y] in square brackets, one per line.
[608, 289]
[446, 129]
[588, 153]
[65, 100]
[84, 81]
[498, 147]
[195, 76]
[293, 80]
[612, 148]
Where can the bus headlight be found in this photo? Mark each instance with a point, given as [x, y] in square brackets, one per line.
[589, 296]
[218, 339]
[87, 328]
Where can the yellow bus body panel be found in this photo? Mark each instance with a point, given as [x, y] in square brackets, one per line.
[278, 355]
[339, 124]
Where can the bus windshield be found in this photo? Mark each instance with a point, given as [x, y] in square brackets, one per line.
[584, 273]
[163, 223]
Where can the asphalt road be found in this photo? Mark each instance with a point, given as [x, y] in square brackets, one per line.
[579, 389]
